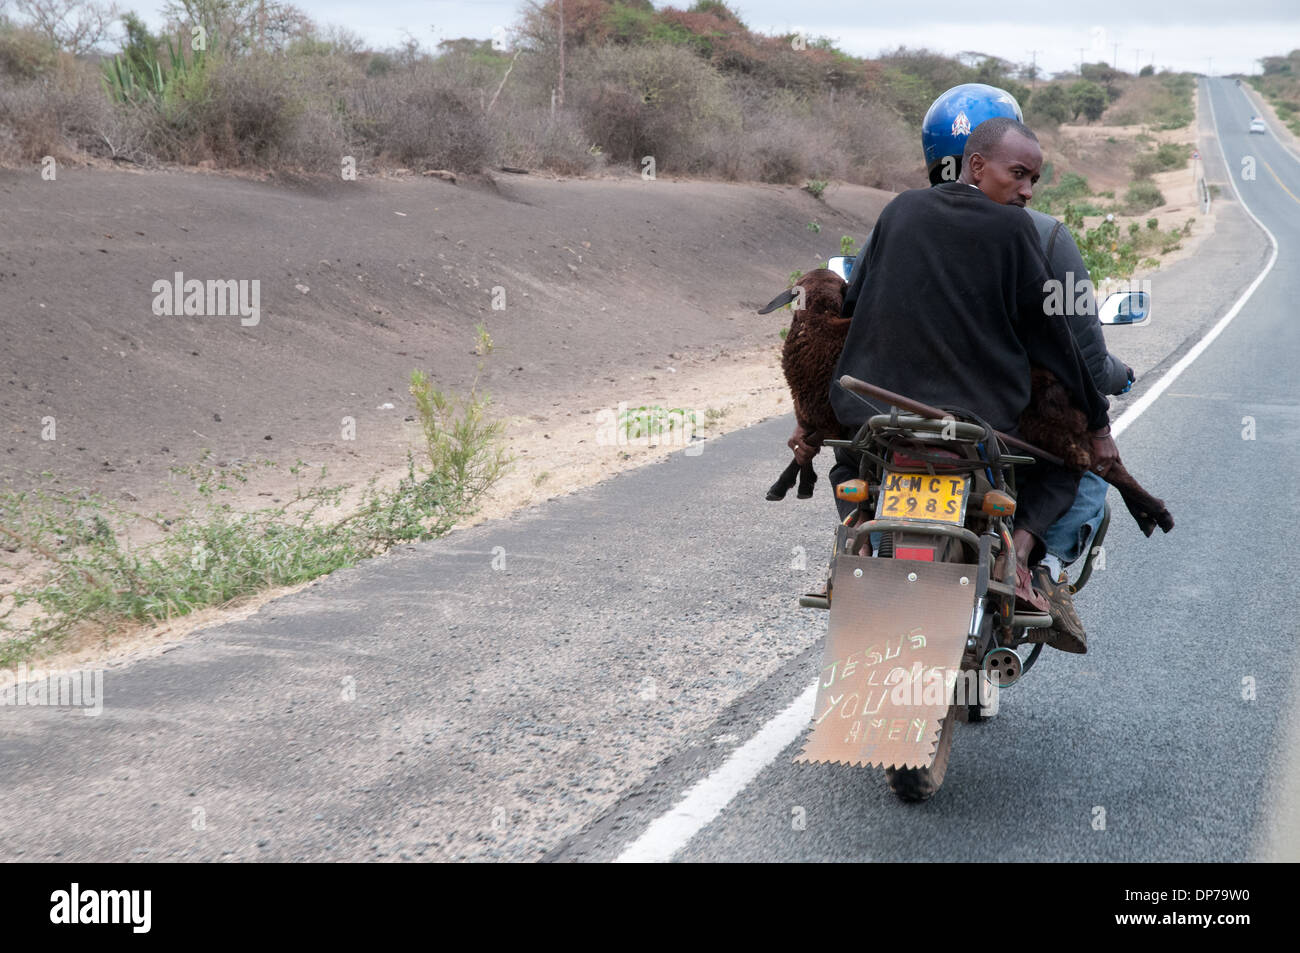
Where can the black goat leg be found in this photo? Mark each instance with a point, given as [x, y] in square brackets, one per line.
[807, 478]
[1146, 509]
[782, 486]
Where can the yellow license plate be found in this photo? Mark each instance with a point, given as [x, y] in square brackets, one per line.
[919, 496]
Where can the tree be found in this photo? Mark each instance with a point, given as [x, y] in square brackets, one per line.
[1104, 75]
[141, 48]
[1050, 103]
[1088, 98]
[237, 26]
[77, 26]
[1147, 70]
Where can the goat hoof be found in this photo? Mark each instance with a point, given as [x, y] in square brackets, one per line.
[775, 494]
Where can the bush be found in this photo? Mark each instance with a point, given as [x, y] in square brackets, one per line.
[1145, 165]
[1168, 156]
[661, 101]
[418, 118]
[59, 115]
[24, 53]
[534, 139]
[1142, 196]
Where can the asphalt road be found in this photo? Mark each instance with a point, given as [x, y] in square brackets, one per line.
[544, 687]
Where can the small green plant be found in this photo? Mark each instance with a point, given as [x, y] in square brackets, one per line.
[848, 246]
[1153, 223]
[816, 187]
[650, 423]
[483, 341]
[794, 276]
[1134, 228]
[814, 227]
[783, 332]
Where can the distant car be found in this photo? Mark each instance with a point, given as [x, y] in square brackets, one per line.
[1257, 125]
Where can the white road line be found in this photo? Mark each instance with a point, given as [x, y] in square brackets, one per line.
[707, 798]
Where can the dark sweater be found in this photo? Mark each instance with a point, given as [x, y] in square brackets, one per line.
[953, 314]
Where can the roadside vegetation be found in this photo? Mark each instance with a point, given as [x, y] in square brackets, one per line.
[1279, 83]
[257, 84]
[84, 563]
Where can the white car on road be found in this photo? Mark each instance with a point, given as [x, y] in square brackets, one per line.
[1257, 125]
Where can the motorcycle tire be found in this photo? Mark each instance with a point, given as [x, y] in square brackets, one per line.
[914, 785]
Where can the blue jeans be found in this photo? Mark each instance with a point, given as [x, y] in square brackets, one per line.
[1070, 537]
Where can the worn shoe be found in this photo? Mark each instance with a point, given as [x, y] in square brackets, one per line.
[1028, 599]
[1067, 632]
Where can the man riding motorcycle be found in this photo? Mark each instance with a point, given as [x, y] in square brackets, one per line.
[947, 126]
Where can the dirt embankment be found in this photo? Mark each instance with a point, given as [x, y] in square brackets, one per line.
[604, 291]
[595, 293]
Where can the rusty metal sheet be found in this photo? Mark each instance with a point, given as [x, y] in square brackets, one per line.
[892, 661]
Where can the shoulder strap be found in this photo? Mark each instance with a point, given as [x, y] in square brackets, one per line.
[1051, 241]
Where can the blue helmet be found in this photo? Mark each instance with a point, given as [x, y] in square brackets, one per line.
[949, 121]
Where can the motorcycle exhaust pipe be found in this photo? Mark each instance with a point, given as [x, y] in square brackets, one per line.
[1003, 667]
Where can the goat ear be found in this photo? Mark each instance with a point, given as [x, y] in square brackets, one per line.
[784, 298]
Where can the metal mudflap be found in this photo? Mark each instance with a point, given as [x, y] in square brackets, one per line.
[893, 656]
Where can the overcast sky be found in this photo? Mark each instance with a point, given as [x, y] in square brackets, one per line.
[1222, 36]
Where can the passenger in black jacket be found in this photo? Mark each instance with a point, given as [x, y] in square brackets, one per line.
[954, 313]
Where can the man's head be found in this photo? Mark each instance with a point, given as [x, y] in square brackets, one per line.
[949, 121]
[1003, 160]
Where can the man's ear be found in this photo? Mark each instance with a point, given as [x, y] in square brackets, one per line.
[976, 165]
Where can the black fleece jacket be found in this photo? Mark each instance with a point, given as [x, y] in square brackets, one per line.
[953, 314]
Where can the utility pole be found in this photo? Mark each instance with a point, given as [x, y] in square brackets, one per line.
[1033, 68]
[1081, 49]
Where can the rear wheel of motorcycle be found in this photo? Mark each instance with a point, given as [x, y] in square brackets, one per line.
[921, 784]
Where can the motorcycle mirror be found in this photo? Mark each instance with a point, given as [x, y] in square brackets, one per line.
[1126, 307]
[842, 265]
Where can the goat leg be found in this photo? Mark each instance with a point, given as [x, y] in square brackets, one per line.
[807, 478]
[778, 490]
[1146, 509]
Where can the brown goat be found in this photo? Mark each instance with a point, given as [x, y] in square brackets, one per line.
[1057, 426]
[808, 358]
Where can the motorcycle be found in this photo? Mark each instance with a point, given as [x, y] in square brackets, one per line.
[923, 630]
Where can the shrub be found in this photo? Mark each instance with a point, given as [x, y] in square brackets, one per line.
[534, 139]
[652, 100]
[1145, 165]
[24, 53]
[1142, 196]
[418, 118]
